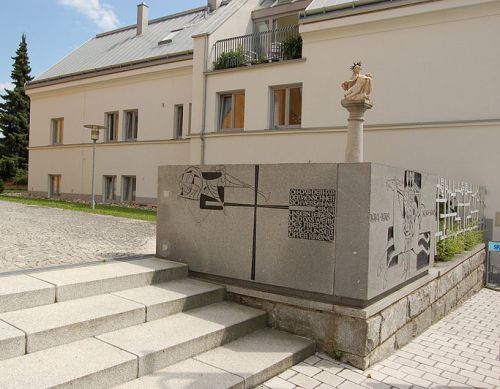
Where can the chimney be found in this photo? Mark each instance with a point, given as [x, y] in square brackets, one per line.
[213, 5]
[142, 18]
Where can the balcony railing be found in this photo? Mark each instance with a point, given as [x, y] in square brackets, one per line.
[263, 47]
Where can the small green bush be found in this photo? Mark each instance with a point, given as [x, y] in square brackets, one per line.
[472, 239]
[292, 47]
[449, 247]
[2, 186]
[230, 59]
[21, 178]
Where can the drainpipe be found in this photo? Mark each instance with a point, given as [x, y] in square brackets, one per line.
[204, 110]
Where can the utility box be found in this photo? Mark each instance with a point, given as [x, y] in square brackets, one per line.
[332, 232]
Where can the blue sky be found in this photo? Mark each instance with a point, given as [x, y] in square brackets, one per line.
[54, 28]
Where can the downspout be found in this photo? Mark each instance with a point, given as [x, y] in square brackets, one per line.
[204, 110]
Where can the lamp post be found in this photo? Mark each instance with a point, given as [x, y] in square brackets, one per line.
[94, 135]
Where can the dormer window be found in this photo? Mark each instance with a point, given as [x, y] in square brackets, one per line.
[168, 39]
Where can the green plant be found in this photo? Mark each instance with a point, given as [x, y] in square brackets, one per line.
[2, 187]
[21, 178]
[449, 247]
[230, 59]
[292, 47]
[473, 238]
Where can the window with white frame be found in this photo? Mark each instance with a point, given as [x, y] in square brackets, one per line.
[111, 126]
[109, 188]
[128, 188]
[178, 120]
[56, 131]
[54, 185]
[232, 111]
[286, 107]
[131, 123]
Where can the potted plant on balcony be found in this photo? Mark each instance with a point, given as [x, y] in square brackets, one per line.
[230, 59]
[292, 47]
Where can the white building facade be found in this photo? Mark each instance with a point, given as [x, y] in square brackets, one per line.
[225, 84]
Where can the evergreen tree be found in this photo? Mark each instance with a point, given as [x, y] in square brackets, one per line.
[15, 117]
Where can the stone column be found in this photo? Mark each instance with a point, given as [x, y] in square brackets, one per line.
[357, 109]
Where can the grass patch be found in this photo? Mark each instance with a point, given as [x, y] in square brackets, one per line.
[111, 210]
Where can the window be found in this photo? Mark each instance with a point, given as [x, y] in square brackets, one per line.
[287, 107]
[54, 185]
[178, 120]
[109, 188]
[111, 126]
[232, 111]
[190, 116]
[56, 131]
[128, 185]
[131, 124]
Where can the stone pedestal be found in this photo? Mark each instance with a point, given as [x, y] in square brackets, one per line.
[357, 109]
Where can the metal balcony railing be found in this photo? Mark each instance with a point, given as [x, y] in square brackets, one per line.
[276, 45]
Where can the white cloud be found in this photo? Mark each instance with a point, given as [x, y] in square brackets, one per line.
[5, 85]
[100, 13]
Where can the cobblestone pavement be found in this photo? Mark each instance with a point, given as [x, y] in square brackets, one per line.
[460, 351]
[34, 237]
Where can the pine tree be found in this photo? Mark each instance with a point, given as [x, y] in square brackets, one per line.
[15, 117]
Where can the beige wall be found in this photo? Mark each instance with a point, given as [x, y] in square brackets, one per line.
[153, 92]
[74, 164]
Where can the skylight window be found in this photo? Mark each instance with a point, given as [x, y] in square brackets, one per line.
[170, 36]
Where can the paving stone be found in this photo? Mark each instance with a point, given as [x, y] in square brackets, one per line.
[306, 369]
[304, 381]
[330, 367]
[312, 360]
[330, 379]
[43, 237]
[352, 376]
[278, 383]
[287, 374]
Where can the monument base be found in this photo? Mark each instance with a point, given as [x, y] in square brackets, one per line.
[363, 337]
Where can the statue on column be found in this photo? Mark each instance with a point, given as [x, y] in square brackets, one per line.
[359, 87]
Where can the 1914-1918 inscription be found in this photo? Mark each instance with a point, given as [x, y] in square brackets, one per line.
[312, 214]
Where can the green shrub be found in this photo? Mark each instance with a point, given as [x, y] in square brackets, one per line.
[472, 239]
[230, 59]
[292, 47]
[21, 178]
[2, 187]
[449, 247]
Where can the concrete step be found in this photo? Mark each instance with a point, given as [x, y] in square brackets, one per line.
[244, 363]
[87, 363]
[22, 291]
[172, 297]
[163, 342]
[90, 280]
[12, 341]
[55, 324]
[65, 322]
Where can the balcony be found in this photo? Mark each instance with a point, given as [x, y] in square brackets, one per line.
[276, 45]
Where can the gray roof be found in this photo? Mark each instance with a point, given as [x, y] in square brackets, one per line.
[123, 46]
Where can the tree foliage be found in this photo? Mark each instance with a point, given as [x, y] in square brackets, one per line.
[15, 117]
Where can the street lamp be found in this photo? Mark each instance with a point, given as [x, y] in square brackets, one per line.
[94, 135]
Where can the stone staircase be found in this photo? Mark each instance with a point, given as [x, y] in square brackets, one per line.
[134, 324]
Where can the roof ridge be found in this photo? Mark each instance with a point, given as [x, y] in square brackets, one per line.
[152, 21]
